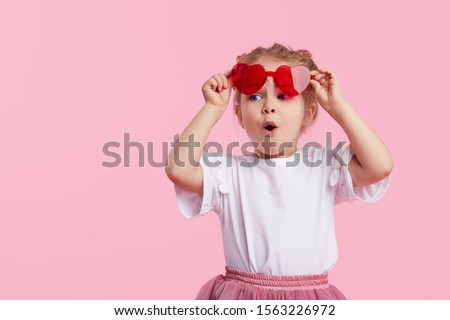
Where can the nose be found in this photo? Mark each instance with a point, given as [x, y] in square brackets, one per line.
[268, 108]
[269, 105]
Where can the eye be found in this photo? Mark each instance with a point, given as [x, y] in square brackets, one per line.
[254, 96]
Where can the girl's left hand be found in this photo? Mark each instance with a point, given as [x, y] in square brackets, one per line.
[326, 87]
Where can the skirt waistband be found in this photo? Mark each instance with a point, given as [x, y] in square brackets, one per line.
[275, 282]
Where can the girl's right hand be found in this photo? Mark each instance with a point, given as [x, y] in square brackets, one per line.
[217, 89]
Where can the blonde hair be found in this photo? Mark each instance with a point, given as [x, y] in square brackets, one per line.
[282, 54]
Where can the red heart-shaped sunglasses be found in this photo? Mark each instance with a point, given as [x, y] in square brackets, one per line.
[250, 78]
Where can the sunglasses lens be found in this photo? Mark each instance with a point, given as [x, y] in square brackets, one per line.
[301, 77]
[293, 80]
[283, 78]
[248, 79]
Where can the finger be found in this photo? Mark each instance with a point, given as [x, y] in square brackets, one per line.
[316, 72]
[318, 76]
[213, 83]
[331, 76]
[316, 85]
[328, 71]
[219, 80]
[227, 73]
[224, 80]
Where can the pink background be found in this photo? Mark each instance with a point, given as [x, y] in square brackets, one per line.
[77, 74]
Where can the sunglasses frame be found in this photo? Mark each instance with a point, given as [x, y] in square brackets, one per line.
[291, 80]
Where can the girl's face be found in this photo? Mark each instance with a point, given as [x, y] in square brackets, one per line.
[270, 104]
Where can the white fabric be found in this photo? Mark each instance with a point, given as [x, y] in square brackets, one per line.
[277, 215]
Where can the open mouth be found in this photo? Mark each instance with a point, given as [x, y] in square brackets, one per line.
[269, 127]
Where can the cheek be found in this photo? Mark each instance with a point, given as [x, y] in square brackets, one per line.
[249, 116]
[294, 117]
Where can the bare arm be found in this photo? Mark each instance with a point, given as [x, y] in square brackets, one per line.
[182, 166]
[372, 161]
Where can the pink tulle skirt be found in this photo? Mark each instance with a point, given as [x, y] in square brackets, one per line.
[241, 285]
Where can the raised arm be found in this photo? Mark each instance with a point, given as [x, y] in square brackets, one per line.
[372, 161]
[182, 165]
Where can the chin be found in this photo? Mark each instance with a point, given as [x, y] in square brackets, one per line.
[273, 151]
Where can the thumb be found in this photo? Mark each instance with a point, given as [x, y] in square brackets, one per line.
[316, 86]
[228, 76]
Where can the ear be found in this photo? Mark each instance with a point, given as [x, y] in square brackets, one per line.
[237, 111]
[310, 111]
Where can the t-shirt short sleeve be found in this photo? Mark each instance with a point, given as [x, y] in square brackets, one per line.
[341, 180]
[193, 204]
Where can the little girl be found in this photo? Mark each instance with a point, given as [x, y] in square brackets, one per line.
[276, 205]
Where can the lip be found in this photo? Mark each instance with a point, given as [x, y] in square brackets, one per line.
[265, 124]
[269, 123]
[269, 132]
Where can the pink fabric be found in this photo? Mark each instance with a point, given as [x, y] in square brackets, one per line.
[241, 285]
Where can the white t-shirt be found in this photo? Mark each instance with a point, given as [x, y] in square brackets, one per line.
[277, 215]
